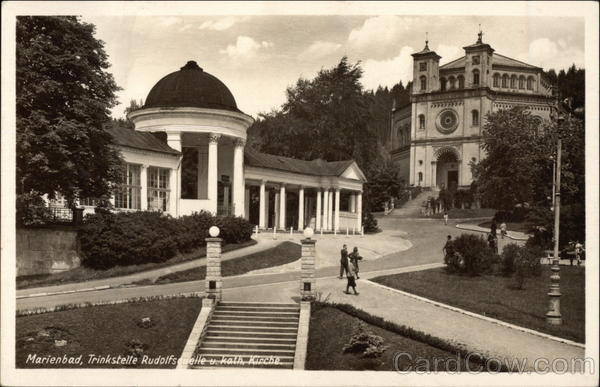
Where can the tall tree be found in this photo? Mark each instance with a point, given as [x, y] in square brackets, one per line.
[64, 94]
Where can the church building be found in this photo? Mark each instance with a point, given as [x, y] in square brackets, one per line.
[188, 153]
[438, 134]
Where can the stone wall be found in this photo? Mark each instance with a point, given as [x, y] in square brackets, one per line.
[46, 251]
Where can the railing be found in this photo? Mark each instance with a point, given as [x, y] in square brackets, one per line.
[60, 215]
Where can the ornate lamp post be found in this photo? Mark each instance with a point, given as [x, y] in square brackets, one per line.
[553, 316]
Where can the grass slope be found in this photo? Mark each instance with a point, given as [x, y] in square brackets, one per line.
[107, 330]
[494, 296]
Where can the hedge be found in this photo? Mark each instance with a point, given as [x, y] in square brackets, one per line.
[111, 239]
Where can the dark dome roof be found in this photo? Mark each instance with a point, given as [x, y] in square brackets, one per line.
[191, 87]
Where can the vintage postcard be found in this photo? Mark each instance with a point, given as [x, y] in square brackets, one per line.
[299, 193]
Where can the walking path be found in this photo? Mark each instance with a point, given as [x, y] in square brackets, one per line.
[112, 282]
[514, 235]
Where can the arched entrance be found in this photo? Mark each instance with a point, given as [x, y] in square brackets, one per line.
[447, 168]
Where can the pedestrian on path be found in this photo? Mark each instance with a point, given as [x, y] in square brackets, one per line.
[503, 230]
[446, 218]
[493, 242]
[354, 258]
[343, 261]
[351, 282]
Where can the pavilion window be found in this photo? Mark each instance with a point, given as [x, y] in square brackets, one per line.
[90, 202]
[513, 82]
[443, 83]
[452, 82]
[423, 80]
[522, 82]
[158, 189]
[128, 194]
[496, 80]
[530, 83]
[505, 81]
[461, 82]
[421, 121]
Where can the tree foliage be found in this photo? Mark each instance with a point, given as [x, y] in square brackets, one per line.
[64, 94]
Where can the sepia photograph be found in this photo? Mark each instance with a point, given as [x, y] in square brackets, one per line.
[299, 193]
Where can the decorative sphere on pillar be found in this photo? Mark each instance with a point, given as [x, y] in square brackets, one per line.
[214, 231]
[308, 232]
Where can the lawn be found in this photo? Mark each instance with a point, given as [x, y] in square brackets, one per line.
[281, 254]
[457, 213]
[494, 296]
[510, 226]
[331, 330]
[82, 274]
[107, 330]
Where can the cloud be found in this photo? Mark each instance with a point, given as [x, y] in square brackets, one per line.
[388, 72]
[449, 53]
[168, 21]
[245, 48]
[553, 55]
[319, 49]
[219, 24]
[380, 33]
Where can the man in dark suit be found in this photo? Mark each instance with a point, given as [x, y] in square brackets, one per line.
[343, 261]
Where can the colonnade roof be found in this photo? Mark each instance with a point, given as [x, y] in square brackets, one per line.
[316, 167]
[131, 138]
[498, 59]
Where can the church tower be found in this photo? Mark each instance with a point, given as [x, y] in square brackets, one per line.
[478, 63]
[425, 71]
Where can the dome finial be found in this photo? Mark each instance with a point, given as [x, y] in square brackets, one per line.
[426, 40]
[480, 35]
[191, 65]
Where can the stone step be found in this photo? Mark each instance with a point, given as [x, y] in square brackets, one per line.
[251, 334]
[247, 328]
[256, 313]
[246, 351]
[259, 304]
[229, 316]
[250, 340]
[238, 345]
[255, 323]
[256, 309]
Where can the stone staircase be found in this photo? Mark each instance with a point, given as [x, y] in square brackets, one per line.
[412, 208]
[250, 335]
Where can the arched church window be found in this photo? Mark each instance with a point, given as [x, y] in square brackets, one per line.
[521, 82]
[475, 77]
[420, 177]
[475, 118]
[443, 83]
[496, 80]
[421, 121]
[461, 82]
[452, 82]
[505, 81]
[513, 81]
[530, 83]
[423, 80]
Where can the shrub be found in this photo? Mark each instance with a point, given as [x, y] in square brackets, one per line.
[478, 257]
[32, 210]
[365, 343]
[508, 258]
[369, 222]
[527, 265]
[108, 239]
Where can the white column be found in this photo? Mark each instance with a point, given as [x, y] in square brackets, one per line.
[213, 171]
[301, 209]
[262, 202]
[433, 174]
[144, 189]
[174, 141]
[325, 209]
[318, 215]
[353, 202]
[238, 177]
[336, 222]
[359, 211]
[330, 212]
[282, 206]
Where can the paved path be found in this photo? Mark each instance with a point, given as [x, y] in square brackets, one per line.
[262, 244]
[515, 235]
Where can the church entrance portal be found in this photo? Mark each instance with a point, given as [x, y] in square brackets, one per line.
[447, 174]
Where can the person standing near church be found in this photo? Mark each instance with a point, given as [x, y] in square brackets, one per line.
[343, 261]
[354, 258]
[351, 273]
[446, 218]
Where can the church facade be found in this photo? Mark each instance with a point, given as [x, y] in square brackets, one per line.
[436, 137]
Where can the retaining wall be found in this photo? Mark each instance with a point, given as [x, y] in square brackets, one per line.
[46, 251]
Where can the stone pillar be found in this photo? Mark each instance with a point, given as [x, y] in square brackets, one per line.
[174, 141]
[282, 207]
[433, 173]
[214, 281]
[325, 209]
[336, 219]
[359, 211]
[213, 171]
[301, 208]
[238, 177]
[144, 189]
[307, 276]
[330, 212]
[276, 209]
[262, 203]
[247, 203]
[318, 215]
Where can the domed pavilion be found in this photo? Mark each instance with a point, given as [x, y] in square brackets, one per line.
[187, 154]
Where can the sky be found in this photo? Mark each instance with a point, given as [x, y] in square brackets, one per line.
[258, 57]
